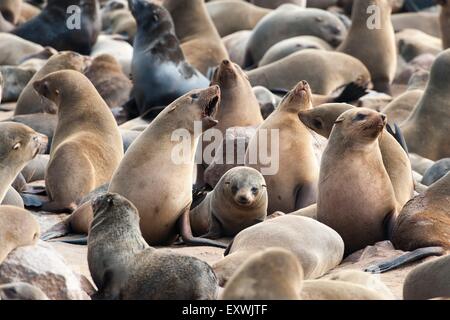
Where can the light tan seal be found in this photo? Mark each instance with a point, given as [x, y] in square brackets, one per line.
[29, 100]
[317, 247]
[152, 155]
[321, 119]
[238, 201]
[428, 280]
[87, 146]
[10, 10]
[13, 49]
[19, 144]
[18, 228]
[200, 41]
[21, 291]
[124, 267]
[292, 186]
[374, 45]
[427, 129]
[356, 197]
[276, 274]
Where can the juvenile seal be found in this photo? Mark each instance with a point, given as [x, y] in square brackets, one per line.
[50, 27]
[18, 228]
[87, 141]
[317, 247]
[325, 71]
[158, 61]
[152, 154]
[292, 187]
[111, 83]
[373, 45]
[19, 144]
[428, 280]
[356, 200]
[427, 129]
[123, 266]
[198, 36]
[238, 201]
[29, 101]
[395, 159]
[290, 21]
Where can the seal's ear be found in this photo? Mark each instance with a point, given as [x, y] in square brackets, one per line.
[339, 119]
[172, 108]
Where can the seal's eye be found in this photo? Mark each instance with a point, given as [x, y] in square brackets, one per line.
[254, 190]
[17, 146]
[359, 117]
[194, 96]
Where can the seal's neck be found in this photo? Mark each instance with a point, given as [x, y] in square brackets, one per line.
[7, 176]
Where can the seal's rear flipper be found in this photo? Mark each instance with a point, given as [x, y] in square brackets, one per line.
[34, 190]
[404, 259]
[184, 226]
[351, 92]
[398, 135]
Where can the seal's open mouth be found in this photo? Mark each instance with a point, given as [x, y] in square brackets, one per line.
[211, 107]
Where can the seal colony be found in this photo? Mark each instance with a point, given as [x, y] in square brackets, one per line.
[286, 140]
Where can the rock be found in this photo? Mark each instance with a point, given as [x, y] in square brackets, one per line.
[44, 268]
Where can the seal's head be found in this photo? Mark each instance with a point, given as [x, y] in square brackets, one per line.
[150, 16]
[114, 206]
[245, 185]
[19, 143]
[360, 124]
[299, 98]
[227, 74]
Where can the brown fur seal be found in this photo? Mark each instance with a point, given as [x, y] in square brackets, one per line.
[119, 49]
[275, 273]
[321, 119]
[13, 49]
[21, 291]
[373, 45]
[10, 10]
[399, 109]
[290, 21]
[124, 267]
[111, 83]
[428, 280]
[87, 141]
[29, 101]
[51, 26]
[158, 61]
[198, 36]
[444, 22]
[156, 153]
[15, 79]
[412, 43]
[288, 46]
[317, 247]
[425, 220]
[238, 201]
[325, 71]
[18, 145]
[18, 228]
[427, 129]
[292, 187]
[427, 22]
[230, 16]
[356, 197]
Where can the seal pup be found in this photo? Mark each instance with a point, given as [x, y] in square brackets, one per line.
[19, 144]
[318, 248]
[427, 128]
[238, 201]
[428, 280]
[200, 41]
[325, 71]
[87, 140]
[18, 228]
[158, 61]
[21, 291]
[395, 159]
[378, 49]
[111, 83]
[155, 153]
[123, 266]
[290, 21]
[51, 26]
[29, 101]
[361, 192]
[292, 187]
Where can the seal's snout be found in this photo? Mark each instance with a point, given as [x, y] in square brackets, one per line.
[41, 143]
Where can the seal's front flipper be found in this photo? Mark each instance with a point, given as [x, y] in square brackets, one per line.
[404, 259]
[351, 92]
[398, 135]
[184, 225]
